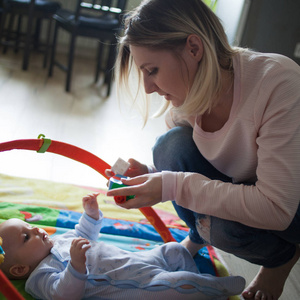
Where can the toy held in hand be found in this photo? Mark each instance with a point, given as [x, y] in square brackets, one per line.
[114, 183]
[120, 166]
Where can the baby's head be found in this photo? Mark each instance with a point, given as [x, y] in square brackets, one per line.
[25, 247]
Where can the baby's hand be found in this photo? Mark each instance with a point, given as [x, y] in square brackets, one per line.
[90, 205]
[78, 249]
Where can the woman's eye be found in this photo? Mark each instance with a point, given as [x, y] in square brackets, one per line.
[153, 71]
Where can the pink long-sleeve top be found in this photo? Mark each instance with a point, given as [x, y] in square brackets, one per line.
[260, 143]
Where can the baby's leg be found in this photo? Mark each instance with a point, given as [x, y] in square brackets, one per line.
[204, 285]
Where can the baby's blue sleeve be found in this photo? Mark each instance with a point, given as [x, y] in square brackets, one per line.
[88, 227]
[51, 282]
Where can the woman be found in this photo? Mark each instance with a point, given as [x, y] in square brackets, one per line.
[229, 161]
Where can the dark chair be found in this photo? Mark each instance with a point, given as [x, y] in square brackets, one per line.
[1, 9]
[99, 20]
[34, 11]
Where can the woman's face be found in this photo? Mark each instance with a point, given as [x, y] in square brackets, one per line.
[166, 73]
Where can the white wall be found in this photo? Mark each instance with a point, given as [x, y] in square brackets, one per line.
[133, 3]
[233, 14]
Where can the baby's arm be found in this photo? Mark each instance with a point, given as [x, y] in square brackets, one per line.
[90, 205]
[90, 223]
[78, 249]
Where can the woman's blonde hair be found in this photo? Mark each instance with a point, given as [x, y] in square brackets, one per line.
[166, 25]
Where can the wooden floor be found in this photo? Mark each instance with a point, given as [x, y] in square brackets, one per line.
[31, 103]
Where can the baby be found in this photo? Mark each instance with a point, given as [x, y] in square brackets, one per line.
[75, 266]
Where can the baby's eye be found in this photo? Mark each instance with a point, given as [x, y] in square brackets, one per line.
[26, 238]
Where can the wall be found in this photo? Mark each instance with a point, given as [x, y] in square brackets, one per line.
[274, 26]
[233, 14]
[133, 3]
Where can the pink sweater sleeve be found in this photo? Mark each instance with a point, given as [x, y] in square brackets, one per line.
[259, 143]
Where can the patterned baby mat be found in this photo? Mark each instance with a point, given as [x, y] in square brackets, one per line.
[57, 207]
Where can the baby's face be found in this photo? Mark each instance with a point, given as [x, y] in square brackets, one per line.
[26, 244]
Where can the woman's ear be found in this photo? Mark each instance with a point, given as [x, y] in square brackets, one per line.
[194, 46]
[19, 270]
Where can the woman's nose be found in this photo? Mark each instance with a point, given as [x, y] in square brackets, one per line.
[150, 86]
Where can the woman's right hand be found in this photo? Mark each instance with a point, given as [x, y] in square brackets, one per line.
[135, 169]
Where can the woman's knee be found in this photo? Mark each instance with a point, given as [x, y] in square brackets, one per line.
[177, 151]
[173, 150]
[291, 234]
[255, 245]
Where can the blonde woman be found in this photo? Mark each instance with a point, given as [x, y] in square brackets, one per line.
[230, 159]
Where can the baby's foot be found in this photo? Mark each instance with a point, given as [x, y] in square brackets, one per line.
[269, 282]
[232, 285]
[211, 287]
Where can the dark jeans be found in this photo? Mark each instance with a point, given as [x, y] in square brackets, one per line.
[176, 151]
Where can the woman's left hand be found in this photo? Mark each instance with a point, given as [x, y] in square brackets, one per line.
[147, 190]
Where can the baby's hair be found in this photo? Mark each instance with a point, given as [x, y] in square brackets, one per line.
[166, 25]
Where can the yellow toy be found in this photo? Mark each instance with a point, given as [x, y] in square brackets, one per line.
[1, 252]
[6, 287]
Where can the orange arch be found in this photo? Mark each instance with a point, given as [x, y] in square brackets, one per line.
[89, 159]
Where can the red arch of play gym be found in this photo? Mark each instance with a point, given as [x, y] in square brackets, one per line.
[42, 145]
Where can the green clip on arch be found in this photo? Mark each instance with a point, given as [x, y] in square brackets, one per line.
[41, 145]
[46, 144]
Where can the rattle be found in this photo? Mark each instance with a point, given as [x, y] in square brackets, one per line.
[1, 252]
[6, 287]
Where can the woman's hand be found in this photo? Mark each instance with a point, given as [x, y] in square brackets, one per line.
[135, 169]
[146, 188]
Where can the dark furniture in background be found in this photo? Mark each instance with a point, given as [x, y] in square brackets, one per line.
[30, 13]
[100, 20]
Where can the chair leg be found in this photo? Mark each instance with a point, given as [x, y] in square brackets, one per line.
[28, 36]
[70, 61]
[109, 68]
[99, 61]
[47, 46]
[53, 50]
[37, 33]
[18, 34]
[8, 32]
[2, 25]
[27, 46]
